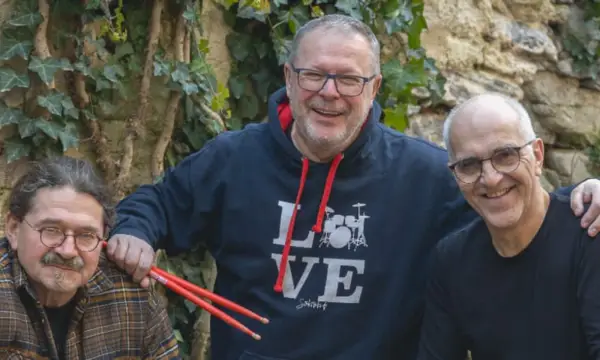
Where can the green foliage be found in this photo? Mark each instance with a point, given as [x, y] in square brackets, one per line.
[581, 38]
[261, 41]
[33, 134]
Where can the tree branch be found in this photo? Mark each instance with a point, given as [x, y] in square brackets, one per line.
[180, 50]
[137, 121]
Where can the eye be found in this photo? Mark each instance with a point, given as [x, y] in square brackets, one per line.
[468, 165]
[350, 80]
[52, 231]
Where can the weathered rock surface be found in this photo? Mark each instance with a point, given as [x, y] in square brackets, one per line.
[509, 46]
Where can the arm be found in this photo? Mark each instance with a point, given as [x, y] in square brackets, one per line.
[159, 338]
[174, 213]
[588, 293]
[440, 336]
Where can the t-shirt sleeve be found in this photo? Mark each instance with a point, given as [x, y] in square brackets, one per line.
[440, 335]
[588, 293]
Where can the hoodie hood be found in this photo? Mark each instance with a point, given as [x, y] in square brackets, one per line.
[280, 120]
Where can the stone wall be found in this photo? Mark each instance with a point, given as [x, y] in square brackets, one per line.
[510, 46]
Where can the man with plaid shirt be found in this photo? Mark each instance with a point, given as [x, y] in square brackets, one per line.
[61, 297]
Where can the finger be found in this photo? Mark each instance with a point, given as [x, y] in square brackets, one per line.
[592, 214]
[594, 228]
[111, 247]
[143, 266]
[121, 253]
[577, 201]
[132, 259]
[145, 283]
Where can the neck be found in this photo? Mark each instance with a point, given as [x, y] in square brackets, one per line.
[510, 242]
[318, 152]
[51, 298]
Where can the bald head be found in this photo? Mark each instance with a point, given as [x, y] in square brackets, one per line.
[486, 109]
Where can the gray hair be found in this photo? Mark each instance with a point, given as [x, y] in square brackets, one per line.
[525, 124]
[342, 23]
[57, 172]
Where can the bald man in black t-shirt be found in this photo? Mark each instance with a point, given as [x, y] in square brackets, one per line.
[523, 281]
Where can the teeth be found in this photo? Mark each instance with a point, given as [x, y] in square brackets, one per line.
[498, 193]
[328, 112]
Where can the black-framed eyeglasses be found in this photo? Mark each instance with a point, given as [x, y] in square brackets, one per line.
[504, 160]
[346, 85]
[53, 237]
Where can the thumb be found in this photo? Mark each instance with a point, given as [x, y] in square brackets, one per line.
[145, 283]
[577, 199]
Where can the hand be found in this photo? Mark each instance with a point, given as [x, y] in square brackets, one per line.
[133, 255]
[585, 192]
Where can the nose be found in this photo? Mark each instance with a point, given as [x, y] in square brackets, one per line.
[329, 89]
[67, 249]
[489, 175]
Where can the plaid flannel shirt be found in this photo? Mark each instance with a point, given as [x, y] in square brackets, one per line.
[114, 318]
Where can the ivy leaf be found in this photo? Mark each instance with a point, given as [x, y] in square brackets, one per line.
[14, 149]
[69, 108]
[262, 81]
[46, 68]
[50, 128]
[181, 74]
[113, 72]
[248, 12]
[10, 47]
[9, 80]
[89, 115]
[27, 20]
[239, 45]
[9, 116]
[237, 86]
[161, 67]
[248, 106]
[69, 137]
[123, 50]
[400, 77]
[396, 117]
[83, 68]
[350, 7]
[73, 112]
[102, 84]
[27, 127]
[52, 102]
[189, 88]
[190, 15]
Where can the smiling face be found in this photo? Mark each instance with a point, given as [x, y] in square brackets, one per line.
[57, 273]
[326, 119]
[482, 129]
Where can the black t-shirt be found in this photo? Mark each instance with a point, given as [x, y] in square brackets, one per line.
[542, 304]
[59, 319]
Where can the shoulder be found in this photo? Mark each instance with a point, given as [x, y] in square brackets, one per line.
[560, 212]
[121, 287]
[454, 246]
[224, 145]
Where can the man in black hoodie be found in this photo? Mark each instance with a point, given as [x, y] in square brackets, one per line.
[322, 219]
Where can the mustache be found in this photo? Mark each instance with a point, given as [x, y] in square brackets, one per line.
[52, 258]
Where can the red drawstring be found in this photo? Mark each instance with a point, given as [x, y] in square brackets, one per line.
[317, 228]
[288, 237]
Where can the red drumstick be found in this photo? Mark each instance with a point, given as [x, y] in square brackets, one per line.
[187, 290]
